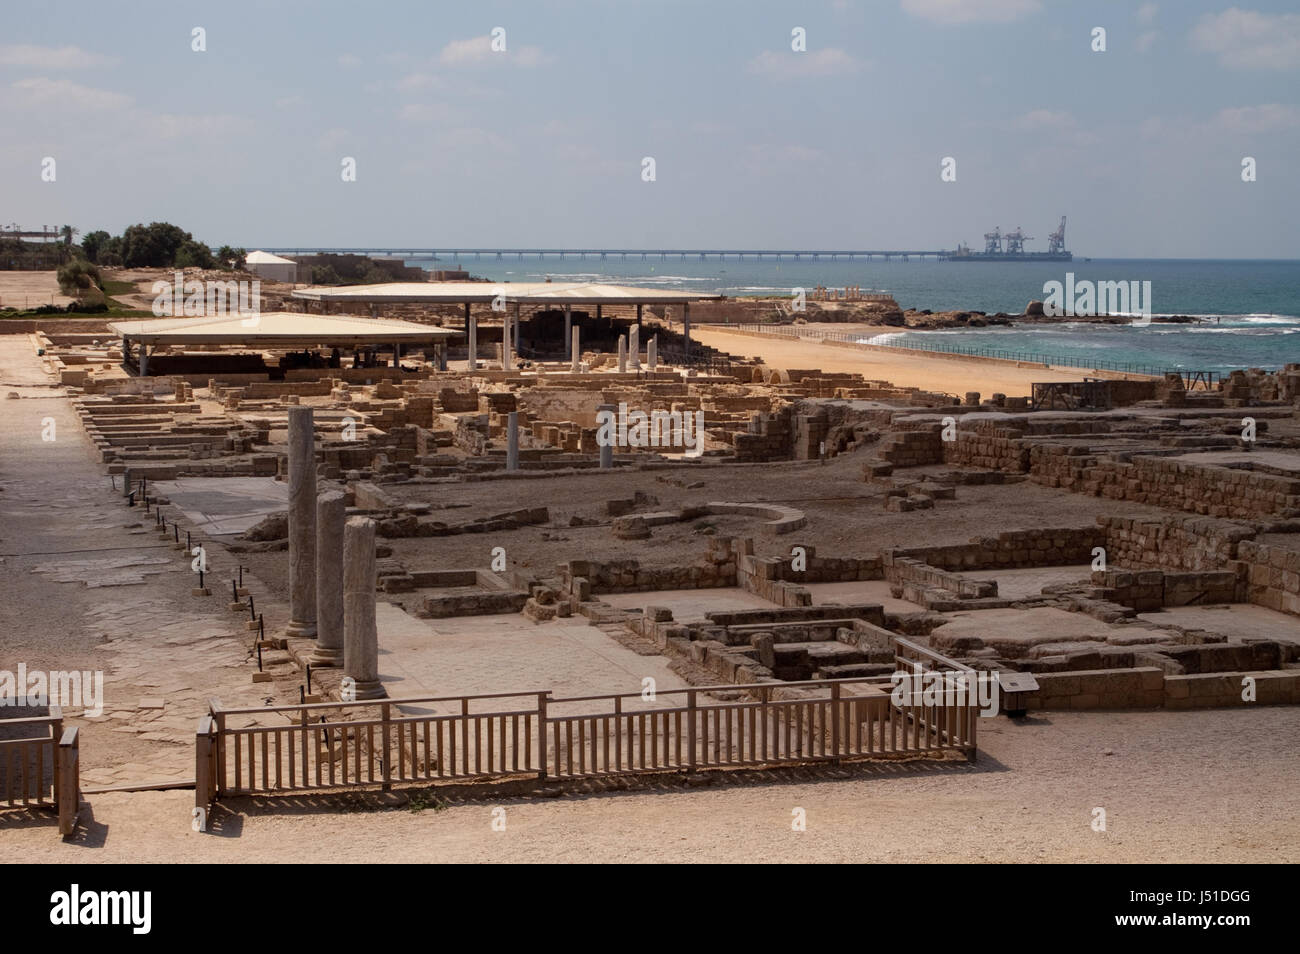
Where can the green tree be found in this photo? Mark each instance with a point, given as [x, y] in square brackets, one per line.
[152, 246]
[193, 254]
[68, 232]
[231, 258]
[78, 277]
[93, 243]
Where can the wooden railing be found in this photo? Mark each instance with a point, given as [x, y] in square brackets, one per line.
[331, 745]
[41, 770]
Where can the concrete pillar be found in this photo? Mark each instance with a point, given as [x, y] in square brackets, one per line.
[360, 635]
[686, 328]
[606, 449]
[302, 523]
[575, 351]
[512, 440]
[634, 348]
[471, 328]
[568, 326]
[144, 359]
[652, 353]
[622, 353]
[330, 514]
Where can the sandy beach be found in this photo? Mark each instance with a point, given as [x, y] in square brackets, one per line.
[951, 374]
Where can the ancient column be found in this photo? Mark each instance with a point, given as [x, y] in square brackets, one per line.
[606, 412]
[568, 326]
[360, 635]
[634, 348]
[622, 353]
[302, 523]
[686, 328]
[576, 350]
[471, 328]
[512, 440]
[652, 353]
[329, 580]
[507, 355]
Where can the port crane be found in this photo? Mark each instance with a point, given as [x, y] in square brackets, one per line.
[1016, 241]
[1056, 241]
[993, 242]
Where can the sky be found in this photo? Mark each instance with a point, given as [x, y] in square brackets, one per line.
[754, 144]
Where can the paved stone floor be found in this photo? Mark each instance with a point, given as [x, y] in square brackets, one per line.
[1236, 621]
[1017, 584]
[484, 654]
[87, 584]
[864, 591]
[223, 506]
[690, 604]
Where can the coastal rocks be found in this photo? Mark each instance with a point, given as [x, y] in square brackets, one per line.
[1034, 309]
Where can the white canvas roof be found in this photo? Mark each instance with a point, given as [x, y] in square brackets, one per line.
[560, 293]
[266, 258]
[279, 328]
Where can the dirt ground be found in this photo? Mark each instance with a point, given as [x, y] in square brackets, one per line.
[1200, 786]
[30, 290]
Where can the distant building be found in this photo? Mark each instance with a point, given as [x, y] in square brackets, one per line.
[272, 267]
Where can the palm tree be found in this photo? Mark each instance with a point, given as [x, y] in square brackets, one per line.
[68, 233]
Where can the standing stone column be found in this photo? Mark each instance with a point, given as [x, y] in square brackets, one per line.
[360, 635]
[652, 353]
[568, 327]
[330, 511]
[507, 356]
[634, 348]
[512, 440]
[606, 449]
[686, 328]
[577, 351]
[622, 353]
[471, 328]
[302, 523]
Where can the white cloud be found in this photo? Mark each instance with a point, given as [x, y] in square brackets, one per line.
[1146, 13]
[477, 51]
[52, 58]
[1246, 39]
[1043, 119]
[424, 113]
[420, 81]
[1145, 41]
[1256, 119]
[825, 62]
[65, 94]
[948, 12]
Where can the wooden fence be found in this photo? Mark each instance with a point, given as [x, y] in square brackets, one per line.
[281, 749]
[40, 768]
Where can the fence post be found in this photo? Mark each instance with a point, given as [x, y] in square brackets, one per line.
[387, 760]
[204, 783]
[541, 736]
[56, 735]
[67, 776]
[836, 734]
[690, 729]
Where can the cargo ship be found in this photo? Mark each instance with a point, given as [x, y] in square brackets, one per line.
[1009, 246]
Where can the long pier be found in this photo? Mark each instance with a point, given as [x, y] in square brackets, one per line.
[457, 254]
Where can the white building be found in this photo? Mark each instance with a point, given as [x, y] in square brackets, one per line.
[272, 267]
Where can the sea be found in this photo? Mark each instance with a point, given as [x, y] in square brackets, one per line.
[1248, 311]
